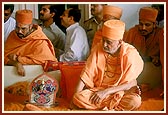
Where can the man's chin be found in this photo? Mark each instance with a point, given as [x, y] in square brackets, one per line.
[105, 50]
[144, 33]
[20, 36]
[23, 36]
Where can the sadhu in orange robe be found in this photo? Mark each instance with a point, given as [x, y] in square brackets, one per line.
[36, 48]
[148, 47]
[103, 71]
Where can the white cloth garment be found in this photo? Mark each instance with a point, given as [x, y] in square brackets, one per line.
[9, 25]
[76, 45]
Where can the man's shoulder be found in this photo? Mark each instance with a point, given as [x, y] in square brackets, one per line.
[134, 27]
[12, 19]
[159, 29]
[133, 30]
[128, 49]
[55, 27]
[36, 21]
[57, 31]
[89, 20]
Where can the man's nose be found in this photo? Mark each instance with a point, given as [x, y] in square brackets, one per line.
[143, 27]
[104, 44]
[19, 30]
[41, 11]
[61, 16]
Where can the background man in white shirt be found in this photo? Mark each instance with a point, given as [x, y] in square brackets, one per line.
[76, 45]
[9, 21]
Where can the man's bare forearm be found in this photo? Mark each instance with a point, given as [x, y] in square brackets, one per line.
[123, 87]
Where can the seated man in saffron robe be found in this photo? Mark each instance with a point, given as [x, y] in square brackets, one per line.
[108, 81]
[146, 38]
[27, 44]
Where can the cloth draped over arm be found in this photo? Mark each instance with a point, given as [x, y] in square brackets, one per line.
[36, 48]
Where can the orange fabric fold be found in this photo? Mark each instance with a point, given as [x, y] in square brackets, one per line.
[93, 75]
[36, 48]
[70, 75]
[93, 72]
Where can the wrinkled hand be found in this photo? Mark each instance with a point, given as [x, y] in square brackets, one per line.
[13, 61]
[135, 89]
[20, 69]
[98, 96]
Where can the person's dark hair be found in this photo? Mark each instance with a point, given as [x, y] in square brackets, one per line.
[9, 6]
[76, 13]
[160, 8]
[53, 9]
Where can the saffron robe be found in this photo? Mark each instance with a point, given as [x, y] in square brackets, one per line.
[93, 76]
[162, 54]
[97, 37]
[149, 47]
[146, 47]
[36, 48]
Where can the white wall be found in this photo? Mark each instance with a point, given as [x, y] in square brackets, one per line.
[130, 13]
[129, 16]
[33, 7]
[31, 71]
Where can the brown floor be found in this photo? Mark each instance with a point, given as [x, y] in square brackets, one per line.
[151, 101]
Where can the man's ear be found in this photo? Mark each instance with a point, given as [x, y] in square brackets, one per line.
[154, 24]
[31, 26]
[71, 18]
[52, 14]
[120, 41]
